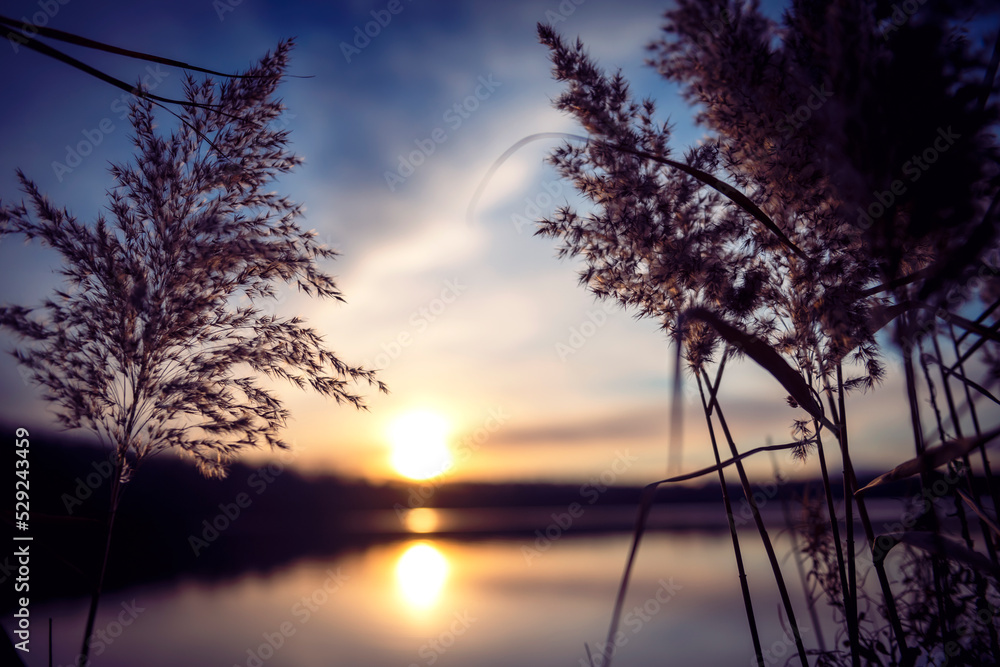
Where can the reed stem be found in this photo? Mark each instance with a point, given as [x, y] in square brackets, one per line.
[761, 528]
[744, 585]
[95, 599]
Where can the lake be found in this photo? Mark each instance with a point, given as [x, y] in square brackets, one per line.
[428, 600]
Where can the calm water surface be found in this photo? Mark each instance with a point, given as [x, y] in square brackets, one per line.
[447, 603]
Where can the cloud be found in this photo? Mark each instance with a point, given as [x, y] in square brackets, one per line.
[640, 423]
[496, 344]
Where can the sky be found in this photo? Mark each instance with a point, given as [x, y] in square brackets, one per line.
[475, 323]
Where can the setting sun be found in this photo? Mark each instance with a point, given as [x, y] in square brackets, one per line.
[419, 442]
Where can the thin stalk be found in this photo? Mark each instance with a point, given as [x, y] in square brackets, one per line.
[797, 553]
[979, 320]
[96, 597]
[942, 569]
[127, 422]
[930, 515]
[744, 585]
[983, 391]
[835, 525]
[830, 507]
[975, 346]
[762, 529]
[851, 589]
[645, 503]
[981, 585]
[866, 523]
[677, 414]
[969, 478]
[987, 469]
[932, 392]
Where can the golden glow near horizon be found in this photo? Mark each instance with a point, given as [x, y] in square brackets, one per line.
[419, 442]
[421, 520]
[420, 575]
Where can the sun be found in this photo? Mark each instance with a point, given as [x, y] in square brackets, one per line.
[419, 442]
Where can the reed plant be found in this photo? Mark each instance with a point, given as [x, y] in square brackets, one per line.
[843, 201]
[160, 335]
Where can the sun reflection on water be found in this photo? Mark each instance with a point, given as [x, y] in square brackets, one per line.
[421, 572]
[421, 520]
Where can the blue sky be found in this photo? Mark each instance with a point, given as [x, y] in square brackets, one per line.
[479, 322]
